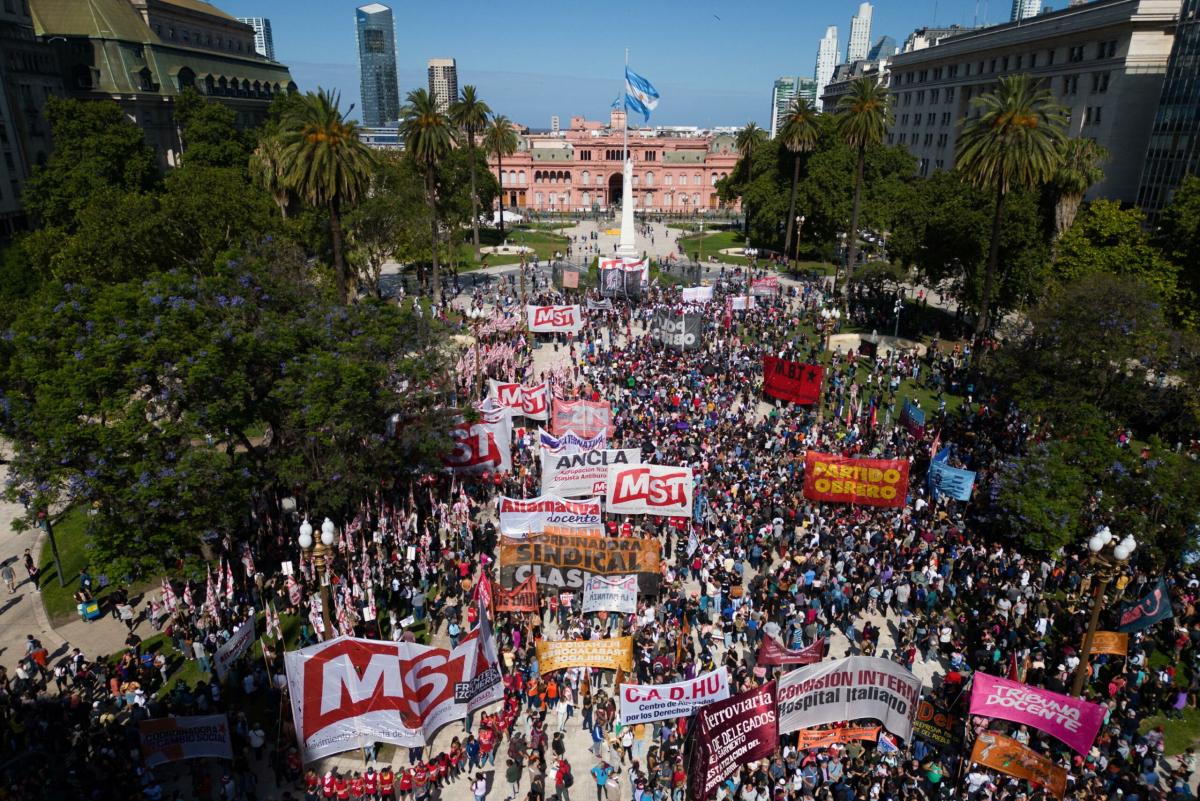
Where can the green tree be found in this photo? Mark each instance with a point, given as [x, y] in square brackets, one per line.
[428, 138]
[96, 149]
[392, 221]
[266, 169]
[862, 120]
[749, 137]
[500, 139]
[1109, 239]
[209, 132]
[1078, 170]
[470, 115]
[1014, 140]
[324, 162]
[799, 135]
[1179, 237]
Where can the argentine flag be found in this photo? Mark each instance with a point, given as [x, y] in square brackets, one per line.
[640, 94]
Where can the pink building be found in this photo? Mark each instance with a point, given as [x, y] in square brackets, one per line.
[675, 170]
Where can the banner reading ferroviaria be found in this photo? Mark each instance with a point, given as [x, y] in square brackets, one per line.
[732, 733]
[612, 654]
[564, 561]
[871, 482]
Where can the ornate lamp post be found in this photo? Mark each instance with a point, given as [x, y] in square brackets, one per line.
[1105, 564]
[320, 553]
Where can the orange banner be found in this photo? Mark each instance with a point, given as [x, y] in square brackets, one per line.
[522, 598]
[1008, 756]
[873, 482]
[614, 654]
[1110, 642]
[563, 561]
[823, 738]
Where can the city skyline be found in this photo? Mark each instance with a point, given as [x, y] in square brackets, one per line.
[559, 77]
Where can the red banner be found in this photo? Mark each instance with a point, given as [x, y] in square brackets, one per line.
[521, 598]
[772, 653]
[585, 418]
[792, 381]
[732, 733]
[873, 482]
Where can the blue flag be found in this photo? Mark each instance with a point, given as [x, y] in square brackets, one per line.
[955, 482]
[1149, 610]
[640, 94]
[616, 104]
[913, 418]
[887, 744]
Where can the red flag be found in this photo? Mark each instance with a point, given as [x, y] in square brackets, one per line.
[1012, 666]
[483, 591]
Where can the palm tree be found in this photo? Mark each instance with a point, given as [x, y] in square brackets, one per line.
[470, 114]
[748, 139]
[428, 137]
[862, 120]
[323, 161]
[799, 135]
[1015, 140]
[500, 138]
[266, 170]
[1078, 170]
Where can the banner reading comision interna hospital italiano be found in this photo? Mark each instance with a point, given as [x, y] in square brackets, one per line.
[853, 688]
[872, 482]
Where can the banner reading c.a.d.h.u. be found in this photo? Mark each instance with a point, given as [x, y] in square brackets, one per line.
[871, 482]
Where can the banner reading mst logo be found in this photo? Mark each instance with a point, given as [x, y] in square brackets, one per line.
[732, 733]
[792, 381]
[348, 692]
[874, 482]
[554, 319]
[531, 402]
[484, 445]
[649, 489]
[584, 473]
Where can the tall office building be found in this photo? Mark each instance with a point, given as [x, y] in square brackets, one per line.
[264, 44]
[884, 47]
[1174, 149]
[378, 84]
[827, 55]
[860, 34]
[555, 125]
[1024, 9]
[784, 93]
[443, 82]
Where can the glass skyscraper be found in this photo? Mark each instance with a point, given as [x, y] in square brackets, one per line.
[1174, 150]
[377, 62]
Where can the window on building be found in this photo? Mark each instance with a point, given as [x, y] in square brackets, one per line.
[933, 95]
[891, 139]
[903, 138]
[1107, 49]
[1100, 82]
[930, 118]
[1070, 84]
[1050, 57]
[928, 139]
[651, 155]
[1075, 53]
[521, 177]
[1032, 60]
[992, 66]
[945, 118]
[696, 179]
[942, 140]
[924, 167]
[1004, 61]
[949, 94]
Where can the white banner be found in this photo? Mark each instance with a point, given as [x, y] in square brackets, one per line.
[173, 738]
[243, 637]
[554, 319]
[697, 294]
[649, 489]
[853, 688]
[532, 402]
[743, 302]
[643, 703]
[484, 445]
[570, 442]
[610, 594]
[530, 515]
[583, 473]
[348, 692]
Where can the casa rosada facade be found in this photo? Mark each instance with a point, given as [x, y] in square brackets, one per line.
[579, 169]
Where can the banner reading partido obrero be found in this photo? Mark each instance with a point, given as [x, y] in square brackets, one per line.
[732, 733]
[871, 482]
[643, 703]
[1072, 720]
[853, 688]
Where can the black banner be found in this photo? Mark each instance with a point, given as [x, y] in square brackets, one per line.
[678, 330]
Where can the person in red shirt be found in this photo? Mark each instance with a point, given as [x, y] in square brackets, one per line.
[343, 788]
[329, 785]
[370, 784]
[387, 784]
[406, 783]
[312, 785]
[420, 777]
[357, 787]
[487, 745]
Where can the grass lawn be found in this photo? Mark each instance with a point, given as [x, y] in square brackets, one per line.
[70, 534]
[712, 245]
[1178, 735]
[544, 244]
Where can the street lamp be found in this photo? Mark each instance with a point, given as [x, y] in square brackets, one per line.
[796, 244]
[320, 554]
[1105, 564]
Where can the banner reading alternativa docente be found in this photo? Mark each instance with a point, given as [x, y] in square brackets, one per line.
[612, 654]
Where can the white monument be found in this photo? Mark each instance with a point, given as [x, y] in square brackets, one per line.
[627, 248]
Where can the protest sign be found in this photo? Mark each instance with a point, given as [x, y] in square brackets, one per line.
[823, 738]
[952, 481]
[583, 473]
[532, 402]
[570, 442]
[1110, 642]
[531, 515]
[522, 598]
[1072, 720]
[585, 418]
[837, 479]
[936, 725]
[612, 654]
[554, 319]
[1008, 756]
[653, 489]
[483, 445]
[233, 648]
[792, 381]
[610, 594]
[697, 294]
[765, 287]
[643, 703]
[678, 330]
[562, 560]
[742, 302]
[731, 733]
[770, 652]
[912, 417]
[852, 688]
[1155, 606]
[175, 738]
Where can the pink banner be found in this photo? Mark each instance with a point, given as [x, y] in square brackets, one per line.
[1072, 720]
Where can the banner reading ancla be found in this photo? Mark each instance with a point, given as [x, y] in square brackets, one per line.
[772, 653]
[732, 733]
[653, 489]
[612, 654]
[554, 319]
[522, 598]
[643, 703]
[348, 692]
[584, 473]
[1072, 720]
[531, 515]
[792, 381]
[874, 482]
[610, 594]
[852, 688]
[171, 739]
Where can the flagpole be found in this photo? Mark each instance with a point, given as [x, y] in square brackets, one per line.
[625, 106]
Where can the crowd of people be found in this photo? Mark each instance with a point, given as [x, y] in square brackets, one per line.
[926, 585]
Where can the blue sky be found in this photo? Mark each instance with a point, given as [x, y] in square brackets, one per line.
[712, 61]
